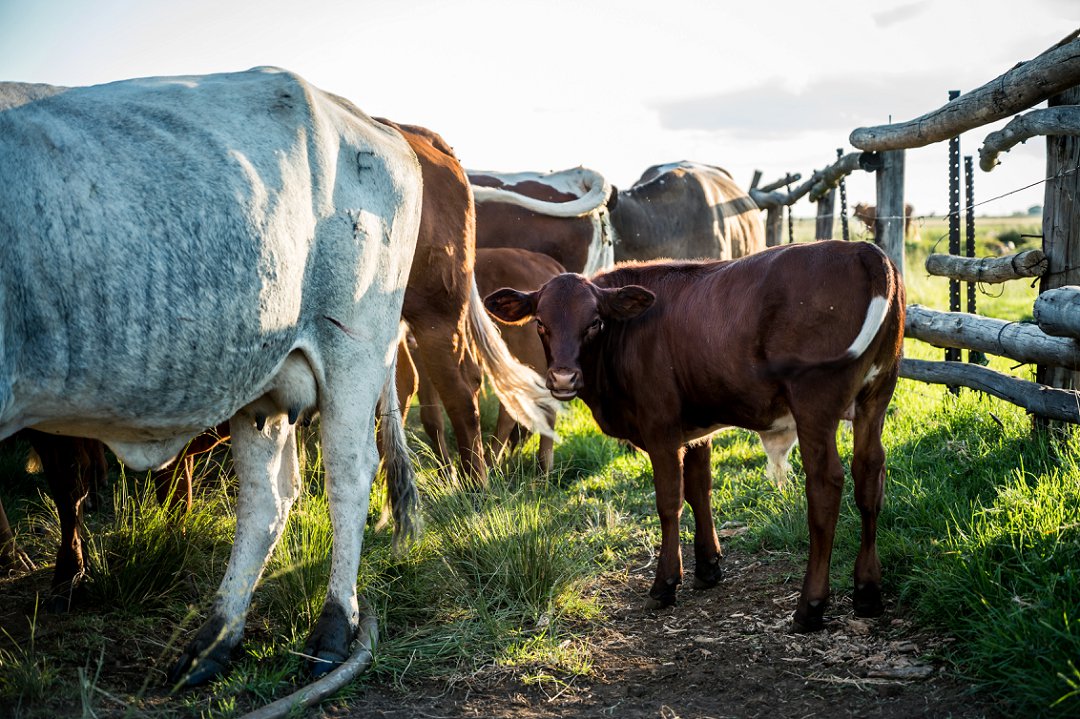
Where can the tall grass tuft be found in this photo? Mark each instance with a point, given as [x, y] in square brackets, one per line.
[150, 555]
[507, 547]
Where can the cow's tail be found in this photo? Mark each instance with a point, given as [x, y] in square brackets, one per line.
[521, 390]
[398, 463]
[886, 289]
[596, 196]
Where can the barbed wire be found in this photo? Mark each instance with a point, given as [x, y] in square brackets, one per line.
[920, 218]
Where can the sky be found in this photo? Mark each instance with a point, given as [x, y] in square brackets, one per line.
[617, 86]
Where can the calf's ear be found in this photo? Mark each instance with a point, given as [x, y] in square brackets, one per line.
[627, 302]
[511, 306]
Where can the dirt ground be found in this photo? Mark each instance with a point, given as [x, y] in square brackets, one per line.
[723, 652]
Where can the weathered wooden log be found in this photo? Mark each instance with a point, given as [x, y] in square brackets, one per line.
[1021, 341]
[782, 182]
[1059, 404]
[831, 175]
[1025, 85]
[1057, 312]
[767, 200]
[1029, 263]
[1054, 121]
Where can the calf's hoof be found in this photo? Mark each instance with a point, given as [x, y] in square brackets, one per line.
[811, 619]
[206, 656]
[708, 575]
[661, 595]
[867, 600]
[329, 641]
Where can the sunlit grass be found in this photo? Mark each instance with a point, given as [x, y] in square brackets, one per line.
[979, 539]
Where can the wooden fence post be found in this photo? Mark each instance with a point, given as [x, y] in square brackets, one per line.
[1061, 228]
[823, 228]
[889, 225]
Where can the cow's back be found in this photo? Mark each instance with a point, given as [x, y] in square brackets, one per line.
[686, 211]
[167, 242]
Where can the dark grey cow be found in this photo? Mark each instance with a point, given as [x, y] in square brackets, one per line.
[686, 210]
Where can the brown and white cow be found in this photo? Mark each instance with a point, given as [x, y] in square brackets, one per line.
[686, 210]
[564, 215]
[512, 267]
[795, 337]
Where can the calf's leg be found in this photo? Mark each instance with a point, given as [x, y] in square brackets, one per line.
[667, 479]
[868, 472]
[824, 484]
[697, 475]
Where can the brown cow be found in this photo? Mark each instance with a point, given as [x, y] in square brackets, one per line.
[564, 215]
[511, 267]
[868, 215]
[454, 337]
[666, 353]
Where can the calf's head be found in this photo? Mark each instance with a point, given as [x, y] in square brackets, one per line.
[570, 313]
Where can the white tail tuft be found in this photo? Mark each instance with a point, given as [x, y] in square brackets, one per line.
[521, 390]
[875, 316]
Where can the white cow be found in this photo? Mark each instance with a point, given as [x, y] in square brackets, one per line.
[179, 251]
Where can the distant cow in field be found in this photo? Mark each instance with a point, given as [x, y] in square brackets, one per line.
[868, 215]
[786, 342]
[183, 251]
[686, 210]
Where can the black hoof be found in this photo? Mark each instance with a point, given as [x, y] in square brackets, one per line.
[708, 575]
[867, 600]
[329, 641]
[661, 596]
[206, 657]
[811, 620]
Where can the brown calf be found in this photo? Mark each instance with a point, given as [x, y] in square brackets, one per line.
[666, 353]
[512, 267]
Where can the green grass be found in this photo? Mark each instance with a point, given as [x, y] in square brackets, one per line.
[979, 539]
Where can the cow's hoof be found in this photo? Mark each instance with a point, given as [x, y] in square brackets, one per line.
[206, 657]
[60, 601]
[708, 575]
[329, 641]
[812, 619]
[867, 600]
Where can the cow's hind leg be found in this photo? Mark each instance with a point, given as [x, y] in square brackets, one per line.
[351, 459]
[824, 484]
[269, 481]
[697, 474]
[868, 472]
